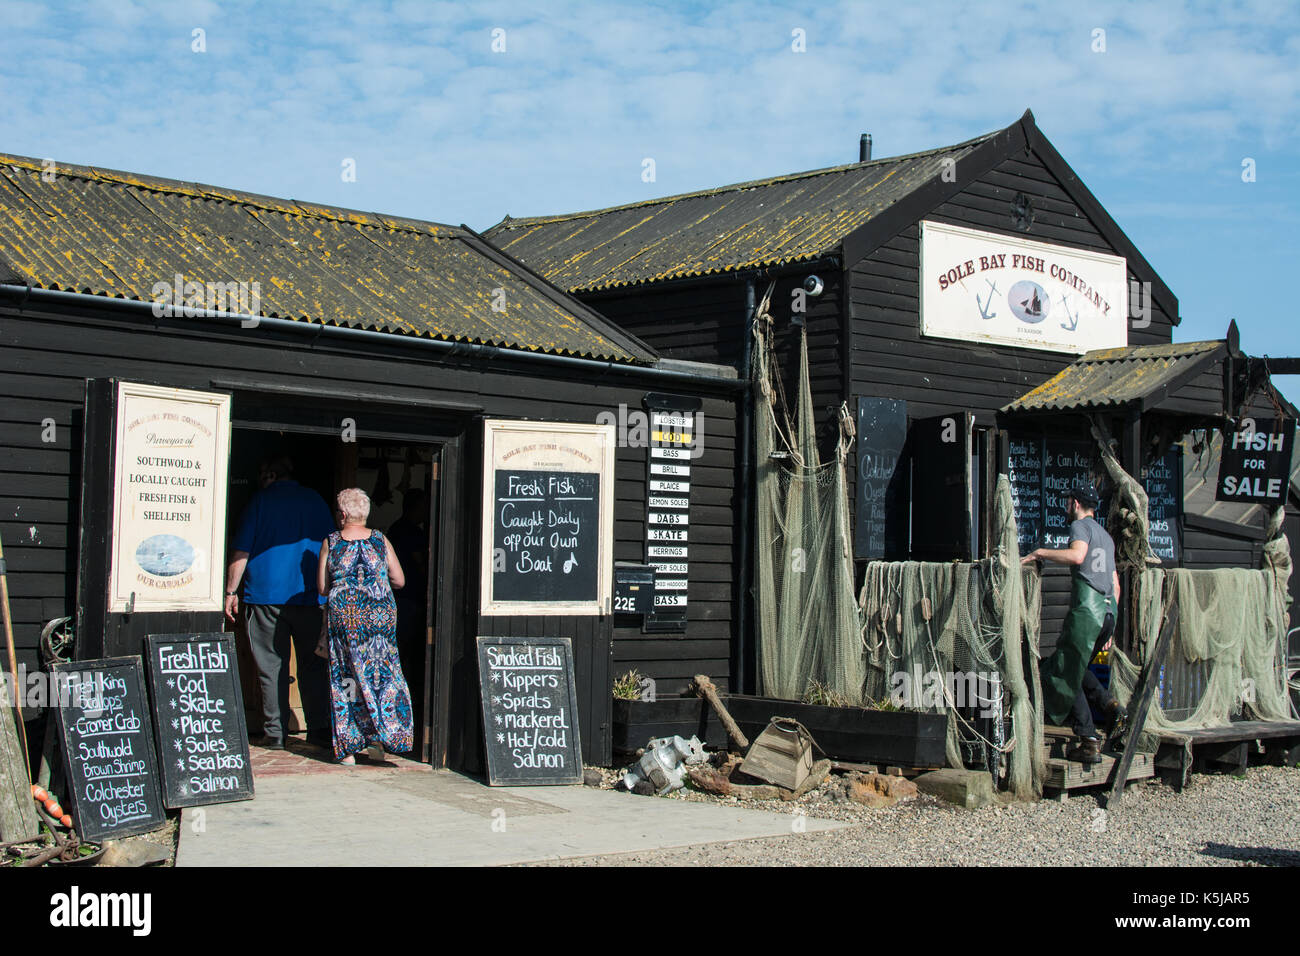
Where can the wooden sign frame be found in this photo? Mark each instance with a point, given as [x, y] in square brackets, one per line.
[544, 445]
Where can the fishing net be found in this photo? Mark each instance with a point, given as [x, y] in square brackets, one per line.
[809, 635]
[1227, 656]
[937, 639]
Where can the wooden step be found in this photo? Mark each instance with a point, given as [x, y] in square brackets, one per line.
[1068, 775]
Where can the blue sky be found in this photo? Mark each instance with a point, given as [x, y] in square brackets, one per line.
[442, 127]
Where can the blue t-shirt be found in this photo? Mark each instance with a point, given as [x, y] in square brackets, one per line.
[282, 529]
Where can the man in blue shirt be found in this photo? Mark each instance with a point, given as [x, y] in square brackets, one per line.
[275, 552]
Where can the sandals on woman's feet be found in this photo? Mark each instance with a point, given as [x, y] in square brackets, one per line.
[348, 761]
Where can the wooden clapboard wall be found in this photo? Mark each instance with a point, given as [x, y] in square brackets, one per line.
[49, 353]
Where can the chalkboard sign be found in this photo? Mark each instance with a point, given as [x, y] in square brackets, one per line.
[547, 528]
[1164, 487]
[1065, 464]
[530, 711]
[107, 738]
[880, 512]
[548, 518]
[1025, 474]
[198, 712]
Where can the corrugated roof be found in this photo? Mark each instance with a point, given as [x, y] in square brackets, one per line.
[118, 234]
[760, 223]
[1111, 377]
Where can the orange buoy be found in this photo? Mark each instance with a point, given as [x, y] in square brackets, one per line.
[39, 792]
[53, 809]
[66, 820]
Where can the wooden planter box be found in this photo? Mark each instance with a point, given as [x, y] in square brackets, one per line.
[637, 721]
[897, 738]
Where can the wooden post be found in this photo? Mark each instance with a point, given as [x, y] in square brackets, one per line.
[17, 809]
[710, 693]
[1139, 704]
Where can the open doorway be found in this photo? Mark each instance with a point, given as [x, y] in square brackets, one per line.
[403, 480]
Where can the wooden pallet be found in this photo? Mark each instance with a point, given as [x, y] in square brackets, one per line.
[1068, 775]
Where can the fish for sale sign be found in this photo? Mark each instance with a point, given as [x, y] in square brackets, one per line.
[981, 286]
[1256, 463]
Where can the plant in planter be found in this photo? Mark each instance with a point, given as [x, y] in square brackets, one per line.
[628, 686]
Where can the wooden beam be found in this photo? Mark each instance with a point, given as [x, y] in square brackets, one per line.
[1139, 704]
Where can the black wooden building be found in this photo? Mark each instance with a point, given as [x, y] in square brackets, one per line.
[412, 332]
[684, 273]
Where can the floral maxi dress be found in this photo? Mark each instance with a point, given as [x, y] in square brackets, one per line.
[369, 699]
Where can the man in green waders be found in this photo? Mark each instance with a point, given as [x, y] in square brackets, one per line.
[1070, 690]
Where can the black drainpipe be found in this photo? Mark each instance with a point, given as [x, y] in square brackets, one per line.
[744, 650]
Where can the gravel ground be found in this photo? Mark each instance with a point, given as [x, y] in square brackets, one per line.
[1219, 820]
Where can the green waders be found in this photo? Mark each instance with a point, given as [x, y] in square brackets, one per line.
[1062, 673]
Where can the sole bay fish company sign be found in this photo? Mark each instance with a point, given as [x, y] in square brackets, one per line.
[980, 286]
[169, 503]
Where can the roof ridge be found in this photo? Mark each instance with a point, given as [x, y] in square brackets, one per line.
[525, 221]
[180, 187]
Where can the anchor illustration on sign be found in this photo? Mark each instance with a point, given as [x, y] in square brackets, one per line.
[571, 563]
[1074, 316]
[984, 306]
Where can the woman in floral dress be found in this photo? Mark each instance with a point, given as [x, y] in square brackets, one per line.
[370, 701]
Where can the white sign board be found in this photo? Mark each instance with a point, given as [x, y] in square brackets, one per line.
[548, 518]
[169, 499]
[984, 287]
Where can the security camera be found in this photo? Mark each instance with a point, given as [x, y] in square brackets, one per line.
[813, 285]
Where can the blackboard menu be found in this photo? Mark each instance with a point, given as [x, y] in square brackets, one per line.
[1164, 487]
[547, 533]
[107, 739]
[880, 512]
[1025, 474]
[198, 711]
[530, 711]
[1065, 464]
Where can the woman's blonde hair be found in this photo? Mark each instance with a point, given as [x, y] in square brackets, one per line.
[355, 505]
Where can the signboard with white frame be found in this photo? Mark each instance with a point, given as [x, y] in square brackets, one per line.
[983, 287]
[172, 454]
[548, 518]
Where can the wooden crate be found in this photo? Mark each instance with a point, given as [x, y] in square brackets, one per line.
[1069, 775]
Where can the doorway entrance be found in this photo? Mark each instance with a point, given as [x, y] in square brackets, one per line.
[401, 469]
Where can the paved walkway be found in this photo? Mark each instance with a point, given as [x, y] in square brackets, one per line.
[309, 812]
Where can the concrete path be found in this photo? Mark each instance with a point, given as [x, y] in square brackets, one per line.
[411, 817]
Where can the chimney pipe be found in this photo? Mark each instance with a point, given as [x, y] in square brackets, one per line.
[864, 148]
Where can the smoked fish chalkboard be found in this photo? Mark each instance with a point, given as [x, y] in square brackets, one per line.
[102, 716]
[880, 512]
[198, 712]
[530, 711]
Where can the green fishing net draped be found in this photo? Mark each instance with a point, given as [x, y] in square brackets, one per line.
[1227, 656]
[910, 620]
[807, 617]
[946, 629]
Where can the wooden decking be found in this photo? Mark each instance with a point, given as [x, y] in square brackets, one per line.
[1227, 749]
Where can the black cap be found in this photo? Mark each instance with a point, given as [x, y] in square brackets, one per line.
[1085, 496]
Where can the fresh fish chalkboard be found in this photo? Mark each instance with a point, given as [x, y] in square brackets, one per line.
[530, 711]
[198, 711]
[102, 716]
[546, 533]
